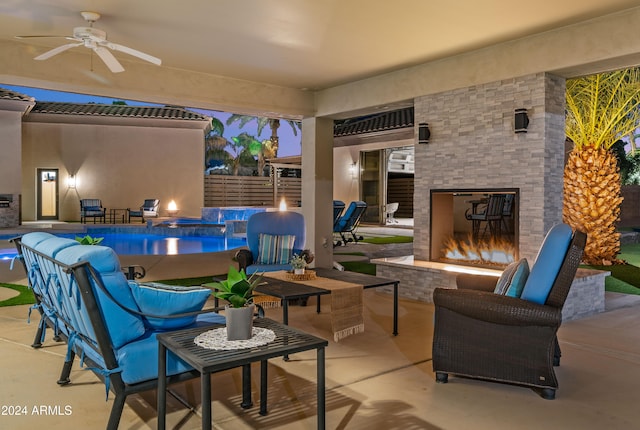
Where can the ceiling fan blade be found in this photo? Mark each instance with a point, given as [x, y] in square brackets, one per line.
[134, 52]
[108, 58]
[33, 36]
[56, 51]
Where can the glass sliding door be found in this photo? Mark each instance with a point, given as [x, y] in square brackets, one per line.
[372, 184]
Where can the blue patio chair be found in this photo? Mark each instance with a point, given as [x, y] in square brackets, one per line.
[338, 207]
[92, 208]
[148, 209]
[348, 223]
[272, 239]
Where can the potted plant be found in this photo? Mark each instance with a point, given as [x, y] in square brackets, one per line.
[298, 263]
[88, 240]
[238, 289]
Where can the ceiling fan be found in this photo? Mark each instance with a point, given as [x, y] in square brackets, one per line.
[95, 39]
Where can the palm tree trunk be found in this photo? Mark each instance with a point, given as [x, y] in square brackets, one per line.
[274, 124]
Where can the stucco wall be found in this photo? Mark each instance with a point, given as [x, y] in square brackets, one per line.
[346, 187]
[122, 165]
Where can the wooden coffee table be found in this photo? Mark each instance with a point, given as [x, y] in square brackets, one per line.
[297, 290]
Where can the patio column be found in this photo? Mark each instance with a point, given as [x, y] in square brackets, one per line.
[317, 187]
[11, 113]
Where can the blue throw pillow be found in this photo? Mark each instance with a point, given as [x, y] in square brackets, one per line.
[160, 299]
[512, 281]
[275, 249]
[548, 262]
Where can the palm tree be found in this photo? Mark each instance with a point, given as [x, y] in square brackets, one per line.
[600, 110]
[274, 125]
[215, 144]
[243, 148]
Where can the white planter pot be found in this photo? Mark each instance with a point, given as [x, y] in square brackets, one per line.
[239, 322]
[298, 271]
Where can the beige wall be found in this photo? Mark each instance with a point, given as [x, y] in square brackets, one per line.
[121, 165]
[345, 187]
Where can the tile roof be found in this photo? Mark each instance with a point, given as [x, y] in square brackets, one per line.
[6, 94]
[393, 120]
[121, 111]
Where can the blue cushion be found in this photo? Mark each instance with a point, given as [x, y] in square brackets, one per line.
[275, 249]
[138, 359]
[123, 326]
[512, 281]
[275, 223]
[53, 245]
[34, 238]
[160, 299]
[547, 265]
[259, 268]
[92, 209]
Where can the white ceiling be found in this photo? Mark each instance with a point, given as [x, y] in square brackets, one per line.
[310, 44]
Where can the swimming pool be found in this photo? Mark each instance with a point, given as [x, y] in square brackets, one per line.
[153, 244]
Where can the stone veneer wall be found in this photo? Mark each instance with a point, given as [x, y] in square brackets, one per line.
[10, 217]
[473, 145]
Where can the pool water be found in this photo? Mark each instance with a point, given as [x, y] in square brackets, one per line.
[152, 244]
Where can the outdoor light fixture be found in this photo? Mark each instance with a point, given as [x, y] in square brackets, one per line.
[521, 121]
[71, 181]
[423, 132]
[353, 169]
[172, 208]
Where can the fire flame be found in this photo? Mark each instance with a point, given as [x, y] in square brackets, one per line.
[494, 251]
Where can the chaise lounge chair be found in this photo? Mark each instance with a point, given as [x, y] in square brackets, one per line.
[338, 207]
[349, 222]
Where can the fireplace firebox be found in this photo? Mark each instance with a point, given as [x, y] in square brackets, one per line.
[477, 227]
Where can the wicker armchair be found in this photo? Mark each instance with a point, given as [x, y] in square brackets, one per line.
[483, 335]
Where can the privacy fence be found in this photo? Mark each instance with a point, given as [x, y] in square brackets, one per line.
[229, 191]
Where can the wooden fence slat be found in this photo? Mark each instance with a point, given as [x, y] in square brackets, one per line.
[222, 190]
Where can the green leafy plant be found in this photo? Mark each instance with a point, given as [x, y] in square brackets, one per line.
[237, 289]
[88, 240]
[298, 262]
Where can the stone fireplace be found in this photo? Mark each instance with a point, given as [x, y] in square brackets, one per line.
[474, 149]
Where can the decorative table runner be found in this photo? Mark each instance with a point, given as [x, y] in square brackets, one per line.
[347, 303]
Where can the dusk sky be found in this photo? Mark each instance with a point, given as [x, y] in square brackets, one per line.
[289, 144]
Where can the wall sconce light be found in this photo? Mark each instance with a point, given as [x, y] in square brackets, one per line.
[521, 121]
[353, 169]
[423, 132]
[71, 181]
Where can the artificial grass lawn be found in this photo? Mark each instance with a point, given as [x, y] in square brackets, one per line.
[388, 239]
[24, 298]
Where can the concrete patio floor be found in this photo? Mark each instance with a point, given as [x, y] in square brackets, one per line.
[374, 380]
